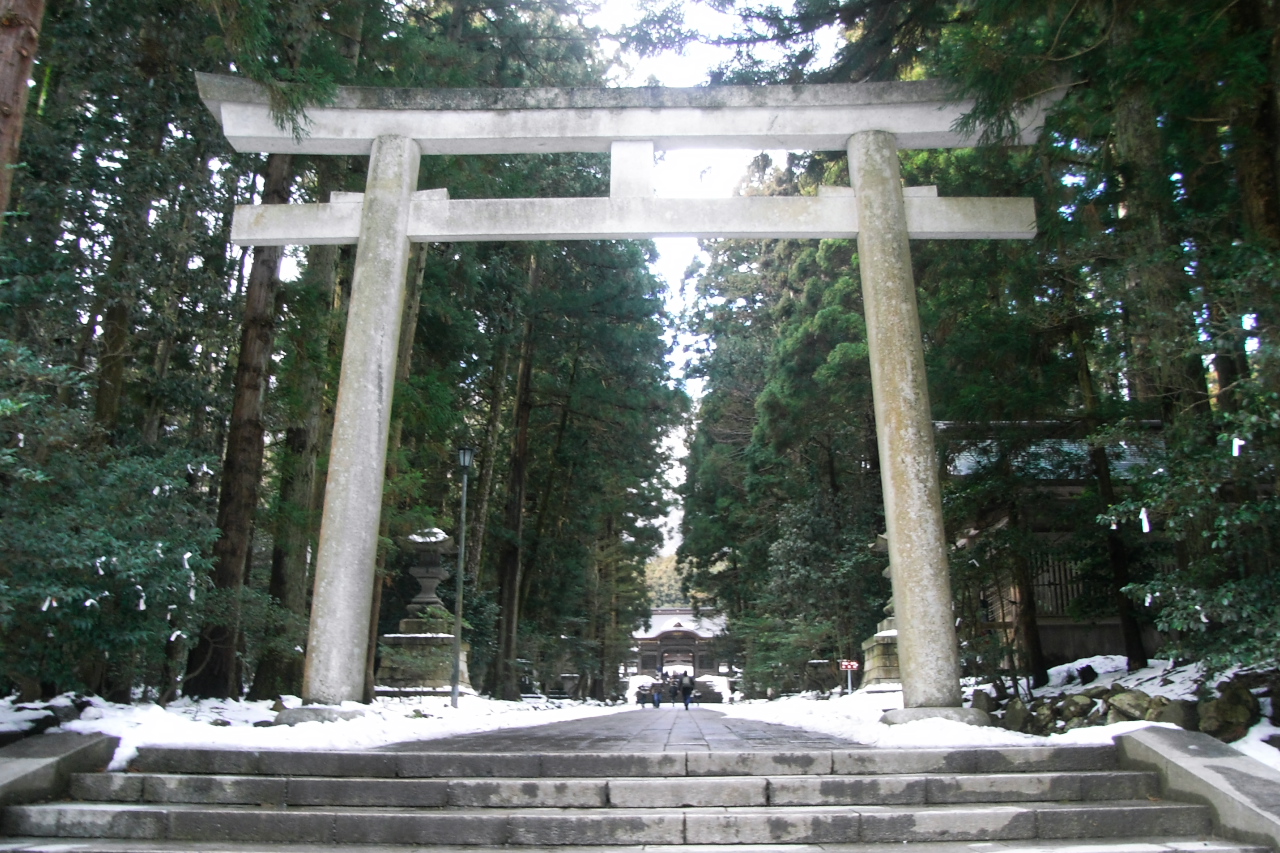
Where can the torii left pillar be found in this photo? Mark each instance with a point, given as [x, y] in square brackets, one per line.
[338, 644]
[928, 654]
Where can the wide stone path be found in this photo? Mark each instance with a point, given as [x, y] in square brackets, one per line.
[664, 729]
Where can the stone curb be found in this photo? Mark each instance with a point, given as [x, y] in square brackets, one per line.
[40, 767]
[1243, 794]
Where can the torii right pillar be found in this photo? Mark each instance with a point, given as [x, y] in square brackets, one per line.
[928, 653]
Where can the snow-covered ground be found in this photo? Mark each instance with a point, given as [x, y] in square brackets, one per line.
[227, 723]
[855, 716]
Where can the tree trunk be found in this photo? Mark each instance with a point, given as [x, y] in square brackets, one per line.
[1026, 625]
[506, 678]
[20, 22]
[488, 459]
[544, 504]
[214, 660]
[1165, 336]
[280, 672]
[111, 363]
[1117, 553]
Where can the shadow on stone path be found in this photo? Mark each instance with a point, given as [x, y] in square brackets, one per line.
[664, 729]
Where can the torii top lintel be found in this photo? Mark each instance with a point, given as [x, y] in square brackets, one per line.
[808, 117]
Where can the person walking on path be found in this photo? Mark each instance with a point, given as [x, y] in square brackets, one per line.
[657, 694]
[686, 688]
[673, 690]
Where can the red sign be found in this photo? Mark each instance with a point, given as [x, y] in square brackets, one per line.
[848, 664]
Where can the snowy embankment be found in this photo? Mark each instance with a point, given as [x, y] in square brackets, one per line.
[857, 716]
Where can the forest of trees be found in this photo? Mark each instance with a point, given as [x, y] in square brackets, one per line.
[165, 398]
[1107, 393]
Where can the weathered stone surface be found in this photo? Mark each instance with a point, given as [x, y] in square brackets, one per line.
[108, 787]
[1121, 820]
[1077, 705]
[758, 763]
[86, 821]
[1132, 703]
[327, 763]
[41, 766]
[995, 823]
[846, 790]
[675, 793]
[176, 759]
[1042, 720]
[856, 762]
[412, 793]
[968, 716]
[222, 790]
[458, 764]
[479, 121]
[928, 652]
[791, 826]
[250, 825]
[317, 714]
[1230, 716]
[420, 829]
[519, 793]
[339, 636]
[983, 701]
[1180, 712]
[1004, 788]
[1043, 759]
[1244, 793]
[612, 764]
[592, 828]
[1016, 715]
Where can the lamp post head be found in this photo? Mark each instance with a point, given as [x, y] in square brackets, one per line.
[466, 454]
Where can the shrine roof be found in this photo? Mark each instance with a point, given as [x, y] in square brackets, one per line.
[664, 621]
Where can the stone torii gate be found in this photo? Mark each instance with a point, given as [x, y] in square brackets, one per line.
[396, 127]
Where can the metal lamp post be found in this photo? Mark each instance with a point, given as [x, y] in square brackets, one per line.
[465, 456]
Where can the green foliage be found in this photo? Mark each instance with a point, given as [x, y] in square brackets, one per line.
[782, 497]
[103, 548]
[118, 277]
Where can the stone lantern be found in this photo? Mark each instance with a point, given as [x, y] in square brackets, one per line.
[418, 659]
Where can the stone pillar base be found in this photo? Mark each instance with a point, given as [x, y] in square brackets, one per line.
[316, 714]
[969, 716]
[420, 662]
[880, 656]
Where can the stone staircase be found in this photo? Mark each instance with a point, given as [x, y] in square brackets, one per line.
[1046, 798]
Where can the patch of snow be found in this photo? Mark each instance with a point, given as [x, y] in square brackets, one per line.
[20, 720]
[230, 723]
[856, 716]
[434, 636]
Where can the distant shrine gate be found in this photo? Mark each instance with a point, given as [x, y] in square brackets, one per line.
[396, 127]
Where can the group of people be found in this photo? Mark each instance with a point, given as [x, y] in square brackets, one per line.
[674, 686]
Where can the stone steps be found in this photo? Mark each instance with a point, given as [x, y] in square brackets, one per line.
[1128, 845]
[608, 826]
[172, 799]
[426, 764]
[676, 792]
